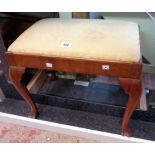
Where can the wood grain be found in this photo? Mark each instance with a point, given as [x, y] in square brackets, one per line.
[119, 69]
[133, 88]
[15, 74]
[129, 76]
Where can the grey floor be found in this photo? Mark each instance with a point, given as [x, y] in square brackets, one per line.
[100, 122]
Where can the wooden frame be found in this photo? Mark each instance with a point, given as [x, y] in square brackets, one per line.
[129, 75]
[125, 70]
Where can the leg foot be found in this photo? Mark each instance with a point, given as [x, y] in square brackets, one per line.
[133, 88]
[15, 75]
[33, 114]
[126, 132]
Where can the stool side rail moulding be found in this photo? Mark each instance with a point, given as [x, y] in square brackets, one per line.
[129, 75]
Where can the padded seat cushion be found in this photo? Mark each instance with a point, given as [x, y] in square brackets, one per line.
[90, 39]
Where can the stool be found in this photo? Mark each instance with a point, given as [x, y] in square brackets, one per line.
[88, 46]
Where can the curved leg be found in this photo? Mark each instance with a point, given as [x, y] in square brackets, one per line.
[15, 74]
[133, 88]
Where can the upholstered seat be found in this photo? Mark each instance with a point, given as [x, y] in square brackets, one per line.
[86, 46]
[89, 39]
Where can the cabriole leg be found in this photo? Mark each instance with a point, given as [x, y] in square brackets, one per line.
[133, 88]
[15, 75]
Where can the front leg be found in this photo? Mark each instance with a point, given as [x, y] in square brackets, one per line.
[133, 88]
[15, 75]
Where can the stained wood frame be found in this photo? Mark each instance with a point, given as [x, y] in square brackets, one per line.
[129, 75]
[126, 70]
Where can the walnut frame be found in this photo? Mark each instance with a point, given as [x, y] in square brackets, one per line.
[129, 75]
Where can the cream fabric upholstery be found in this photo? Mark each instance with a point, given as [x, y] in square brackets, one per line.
[94, 39]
